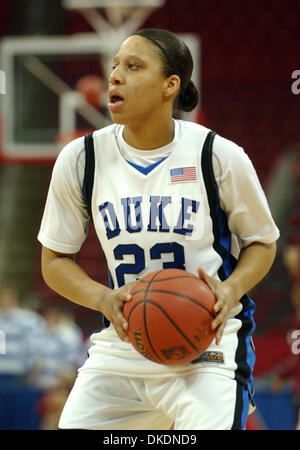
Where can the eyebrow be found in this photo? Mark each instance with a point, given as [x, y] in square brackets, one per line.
[130, 56]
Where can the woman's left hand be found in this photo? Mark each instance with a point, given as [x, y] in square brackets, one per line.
[225, 300]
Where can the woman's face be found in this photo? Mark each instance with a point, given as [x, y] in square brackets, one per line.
[136, 83]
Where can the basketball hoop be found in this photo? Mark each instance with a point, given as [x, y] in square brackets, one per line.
[76, 99]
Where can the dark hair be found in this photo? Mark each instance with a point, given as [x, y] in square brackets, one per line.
[177, 59]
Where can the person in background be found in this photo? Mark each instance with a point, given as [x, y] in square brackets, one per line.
[21, 332]
[60, 348]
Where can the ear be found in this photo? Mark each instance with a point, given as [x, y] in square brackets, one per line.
[171, 86]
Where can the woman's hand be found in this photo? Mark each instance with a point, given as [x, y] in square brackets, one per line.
[253, 264]
[225, 300]
[112, 308]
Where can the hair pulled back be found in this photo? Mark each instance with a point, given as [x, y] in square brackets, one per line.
[176, 59]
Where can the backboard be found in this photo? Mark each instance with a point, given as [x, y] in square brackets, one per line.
[55, 86]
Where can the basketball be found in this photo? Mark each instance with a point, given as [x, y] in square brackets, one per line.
[169, 316]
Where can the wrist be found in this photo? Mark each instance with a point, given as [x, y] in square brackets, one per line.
[94, 294]
[100, 297]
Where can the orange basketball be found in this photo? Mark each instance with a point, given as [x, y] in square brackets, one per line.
[169, 316]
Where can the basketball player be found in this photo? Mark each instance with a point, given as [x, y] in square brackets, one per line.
[151, 212]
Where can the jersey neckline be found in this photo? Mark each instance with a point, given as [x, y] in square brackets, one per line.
[159, 155]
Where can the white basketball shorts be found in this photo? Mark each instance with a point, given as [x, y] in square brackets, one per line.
[119, 389]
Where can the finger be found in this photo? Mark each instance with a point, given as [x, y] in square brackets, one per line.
[220, 317]
[204, 276]
[210, 281]
[219, 334]
[125, 291]
[120, 322]
[219, 305]
[201, 273]
[123, 336]
[121, 327]
[124, 296]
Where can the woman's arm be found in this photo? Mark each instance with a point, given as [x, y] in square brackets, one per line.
[62, 274]
[254, 263]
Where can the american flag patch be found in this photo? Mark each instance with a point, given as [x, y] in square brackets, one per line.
[182, 174]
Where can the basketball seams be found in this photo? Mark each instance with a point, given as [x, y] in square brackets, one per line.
[154, 301]
[133, 308]
[174, 324]
[144, 315]
[171, 321]
[176, 295]
[169, 278]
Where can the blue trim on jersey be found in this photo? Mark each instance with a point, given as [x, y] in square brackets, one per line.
[245, 355]
[229, 263]
[105, 321]
[224, 238]
[248, 328]
[148, 169]
[246, 315]
[245, 410]
[241, 410]
[245, 350]
[84, 191]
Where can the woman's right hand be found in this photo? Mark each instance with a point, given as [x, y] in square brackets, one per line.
[112, 308]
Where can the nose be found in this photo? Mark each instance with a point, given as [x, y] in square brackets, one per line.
[116, 76]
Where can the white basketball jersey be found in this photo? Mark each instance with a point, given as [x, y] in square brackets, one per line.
[180, 211]
[148, 220]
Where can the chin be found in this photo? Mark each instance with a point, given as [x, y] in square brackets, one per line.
[116, 118]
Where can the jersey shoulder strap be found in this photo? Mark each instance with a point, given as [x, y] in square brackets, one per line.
[88, 179]
[207, 164]
[211, 186]
[88, 182]
[221, 232]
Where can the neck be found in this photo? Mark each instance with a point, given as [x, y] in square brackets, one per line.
[150, 137]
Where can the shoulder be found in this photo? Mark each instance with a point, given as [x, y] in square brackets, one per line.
[71, 156]
[73, 152]
[228, 156]
[199, 131]
[105, 138]
[223, 148]
[69, 166]
[108, 131]
[192, 130]
[71, 159]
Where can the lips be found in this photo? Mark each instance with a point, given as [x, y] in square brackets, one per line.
[115, 101]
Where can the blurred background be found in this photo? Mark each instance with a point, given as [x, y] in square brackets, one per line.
[54, 61]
